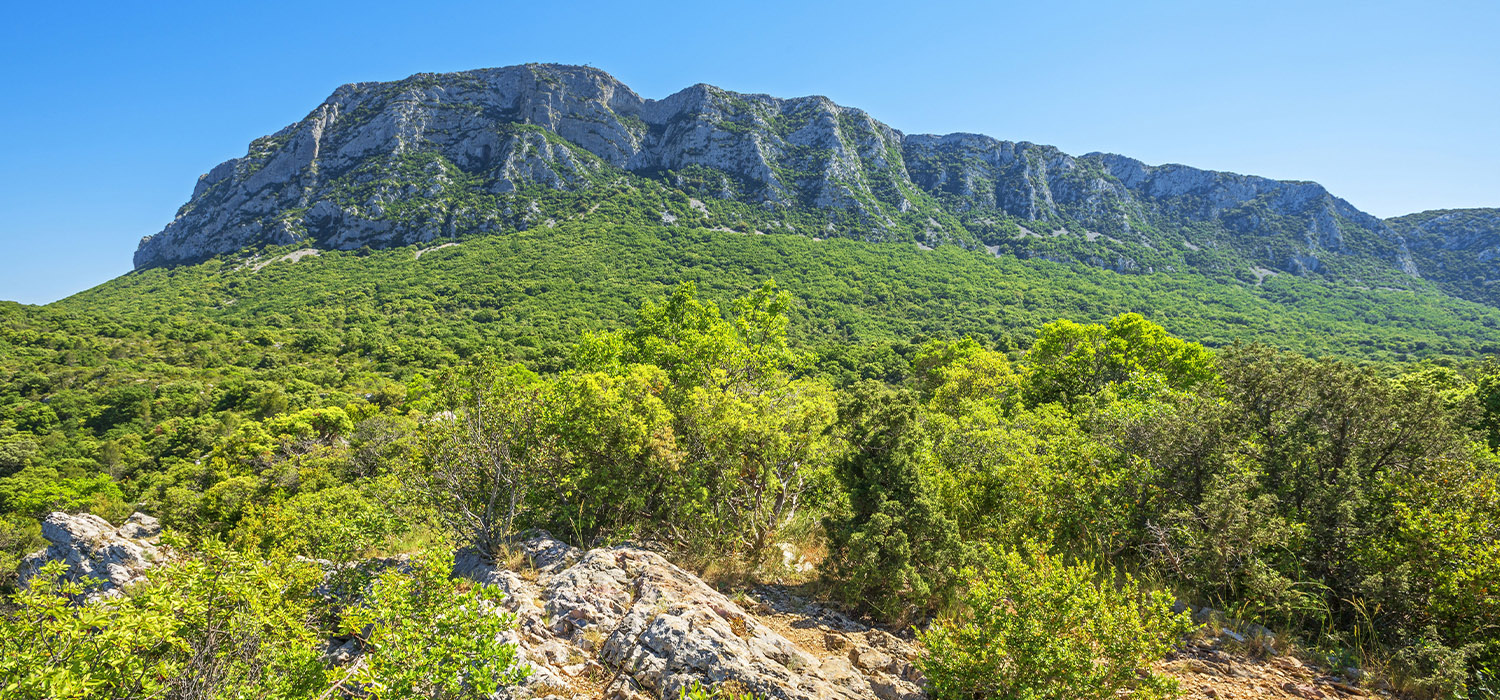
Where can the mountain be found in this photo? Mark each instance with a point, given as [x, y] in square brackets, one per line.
[1459, 249]
[506, 149]
[456, 308]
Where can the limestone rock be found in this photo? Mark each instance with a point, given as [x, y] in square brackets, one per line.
[871, 659]
[628, 614]
[94, 549]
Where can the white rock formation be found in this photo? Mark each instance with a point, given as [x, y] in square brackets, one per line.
[630, 623]
[94, 549]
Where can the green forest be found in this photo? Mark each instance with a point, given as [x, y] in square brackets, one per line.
[945, 432]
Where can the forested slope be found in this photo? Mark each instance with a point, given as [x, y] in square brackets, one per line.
[528, 293]
[1350, 506]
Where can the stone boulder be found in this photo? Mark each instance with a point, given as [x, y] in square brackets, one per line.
[94, 549]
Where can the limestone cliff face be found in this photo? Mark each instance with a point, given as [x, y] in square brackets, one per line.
[483, 151]
[1287, 225]
[332, 178]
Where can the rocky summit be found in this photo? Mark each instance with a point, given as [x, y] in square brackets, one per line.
[488, 151]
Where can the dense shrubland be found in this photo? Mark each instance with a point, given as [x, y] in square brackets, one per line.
[1353, 505]
[217, 622]
[528, 295]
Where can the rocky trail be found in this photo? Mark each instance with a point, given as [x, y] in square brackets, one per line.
[1208, 670]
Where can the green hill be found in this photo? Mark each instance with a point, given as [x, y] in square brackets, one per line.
[528, 293]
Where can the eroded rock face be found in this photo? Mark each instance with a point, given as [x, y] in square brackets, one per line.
[332, 178]
[626, 621]
[1459, 249]
[92, 548]
[441, 155]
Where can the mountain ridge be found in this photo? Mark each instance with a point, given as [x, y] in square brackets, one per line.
[504, 149]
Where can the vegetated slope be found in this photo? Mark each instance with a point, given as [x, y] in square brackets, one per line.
[1346, 488]
[527, 294]
[1459, 249]
[508, 149]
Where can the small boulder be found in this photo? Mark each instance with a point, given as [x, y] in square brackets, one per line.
[871, 659]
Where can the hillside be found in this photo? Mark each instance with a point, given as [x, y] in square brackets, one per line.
[513, 381]
[565, 178]
[1460, 250]
[293, 425]
[527, 294]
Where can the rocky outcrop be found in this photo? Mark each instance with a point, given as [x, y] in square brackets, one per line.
[625, 622]
[93, 549]
[441, 156]
[1226, 668]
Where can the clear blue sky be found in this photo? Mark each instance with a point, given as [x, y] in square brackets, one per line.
[110, 111]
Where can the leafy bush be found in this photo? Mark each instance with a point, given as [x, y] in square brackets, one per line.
[722, 691]
[209, 625]
[215, 623]
[425, 637]
[1037, 629]
[19, 536]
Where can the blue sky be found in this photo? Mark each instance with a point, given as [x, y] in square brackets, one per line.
[110, 111]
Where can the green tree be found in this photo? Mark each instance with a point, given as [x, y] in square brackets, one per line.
[1071, 362]
[758, 450]
[486, 452]
[896, 552]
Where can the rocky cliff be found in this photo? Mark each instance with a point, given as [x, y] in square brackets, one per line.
[486, 151]
[1460, 249]
[94, 550]
[444, 155]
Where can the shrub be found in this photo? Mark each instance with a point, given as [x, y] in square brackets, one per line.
[897, 552]
[48, 650]
[722, 691]
[487, 454]
[427, 638]
[1037, 628]
[215, 623]
[212, 624]
[19, 536]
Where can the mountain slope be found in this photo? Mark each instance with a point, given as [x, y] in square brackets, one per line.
[507, 149]
[527, 294]
[1459, 249]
